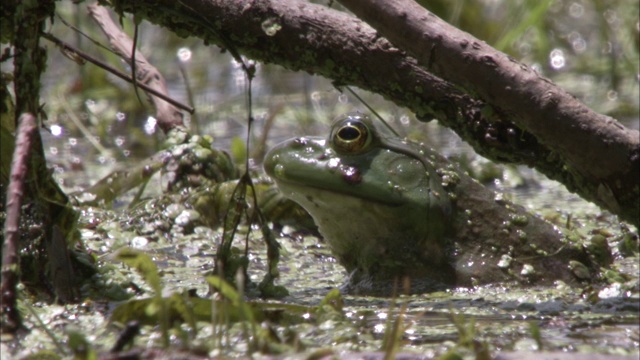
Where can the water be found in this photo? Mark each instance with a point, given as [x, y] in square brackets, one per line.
[98, 126]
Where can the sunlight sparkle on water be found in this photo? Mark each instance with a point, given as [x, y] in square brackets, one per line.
[348, 314]
[150, 125]
[611, 291]
[56, 130]
[139, 242]
[184, 54]
[556, 59]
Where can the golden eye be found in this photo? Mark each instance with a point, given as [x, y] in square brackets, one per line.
[350, 136]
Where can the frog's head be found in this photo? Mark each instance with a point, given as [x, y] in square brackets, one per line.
[359, 158]
[376, 198]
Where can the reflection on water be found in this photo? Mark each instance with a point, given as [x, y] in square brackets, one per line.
[97, 125]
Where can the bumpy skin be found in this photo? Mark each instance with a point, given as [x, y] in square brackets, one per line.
[399, 216]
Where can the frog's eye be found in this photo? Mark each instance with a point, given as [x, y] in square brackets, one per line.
[350, 136]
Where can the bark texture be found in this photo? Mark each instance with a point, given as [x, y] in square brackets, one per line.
[595, 148]
[50, 268]
[505, 110]
[11, 320]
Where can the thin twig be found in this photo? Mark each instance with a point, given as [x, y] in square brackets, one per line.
[195, 120]
[78, 31]
[114, 71]
[27, 127]
[54, 339]
[83, 129]
[133, 59]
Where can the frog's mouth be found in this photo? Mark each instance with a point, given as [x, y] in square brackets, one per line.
[298, 184]
[305, 164]
[308, 193]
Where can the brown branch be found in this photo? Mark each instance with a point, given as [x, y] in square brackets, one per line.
[595, 148]
[27, 128]
[310, 37]
[167, 115]
[331, 43]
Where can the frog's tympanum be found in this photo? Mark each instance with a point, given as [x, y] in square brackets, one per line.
[398, 215]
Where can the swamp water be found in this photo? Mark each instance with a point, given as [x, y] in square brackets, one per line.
[568, 322]
[509, 318]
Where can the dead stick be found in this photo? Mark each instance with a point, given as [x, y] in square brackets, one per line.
[10, 261]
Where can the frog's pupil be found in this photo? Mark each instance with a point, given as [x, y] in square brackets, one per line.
[349, 133]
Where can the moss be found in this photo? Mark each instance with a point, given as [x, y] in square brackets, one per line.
[329, 65]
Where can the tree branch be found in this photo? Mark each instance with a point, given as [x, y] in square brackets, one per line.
[303, 36]
[167, 114]
[595, 148]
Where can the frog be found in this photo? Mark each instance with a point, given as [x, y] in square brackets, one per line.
[399, 217]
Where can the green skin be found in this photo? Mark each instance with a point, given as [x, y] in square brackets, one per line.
[399, 216]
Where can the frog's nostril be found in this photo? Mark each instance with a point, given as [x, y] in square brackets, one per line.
[300, 142]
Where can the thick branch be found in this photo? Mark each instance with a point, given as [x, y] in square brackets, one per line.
[534, 103]
[303, 36]
[595, 147]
